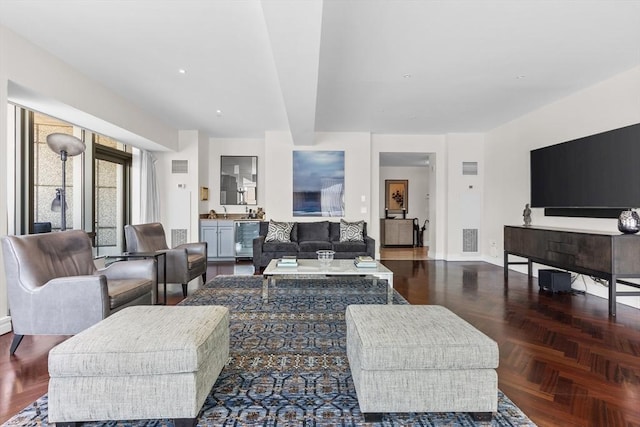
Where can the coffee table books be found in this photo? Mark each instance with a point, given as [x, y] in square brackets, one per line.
[365, 262]
[288, 261]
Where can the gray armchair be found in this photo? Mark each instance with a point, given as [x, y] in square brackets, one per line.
[54, 287]
[184, 262]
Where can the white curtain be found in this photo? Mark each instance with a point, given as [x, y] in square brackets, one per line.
[149, 192]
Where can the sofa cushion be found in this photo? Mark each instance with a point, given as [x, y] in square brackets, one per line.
[294, 232]
[122, 291]
[194, 260]
[351, 231]
[279, 232]
[349, 246]
[313, 231]
[280, 247]
[314, 245]
[334, 231]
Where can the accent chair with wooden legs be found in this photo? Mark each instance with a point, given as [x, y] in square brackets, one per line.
[184, 262]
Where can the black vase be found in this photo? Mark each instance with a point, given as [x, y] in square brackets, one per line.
[629, 222]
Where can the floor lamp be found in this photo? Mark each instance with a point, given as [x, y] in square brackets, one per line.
[65, 145]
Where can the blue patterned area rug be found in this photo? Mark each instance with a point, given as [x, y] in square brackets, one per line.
[288, 363]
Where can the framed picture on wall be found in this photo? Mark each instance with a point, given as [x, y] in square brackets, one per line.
[204, 193]
[318, 183]
[396, 195]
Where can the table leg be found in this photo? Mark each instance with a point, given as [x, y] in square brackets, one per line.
[165, 279]
[157, 263]
[612, 295]
[265, 289]
[506, 266]
[389, 287]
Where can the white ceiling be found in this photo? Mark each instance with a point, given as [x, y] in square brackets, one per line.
[381, 66]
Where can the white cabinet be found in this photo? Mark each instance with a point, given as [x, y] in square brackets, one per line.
[220, 238]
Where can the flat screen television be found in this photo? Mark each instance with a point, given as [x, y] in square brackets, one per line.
[594, 176]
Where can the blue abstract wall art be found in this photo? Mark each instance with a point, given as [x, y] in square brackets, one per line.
[318, 183]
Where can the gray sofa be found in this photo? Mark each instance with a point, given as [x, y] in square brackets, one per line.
[306, 239]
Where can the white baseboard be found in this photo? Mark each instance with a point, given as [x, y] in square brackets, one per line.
[493, 260]
[5, 325]
[455, 258]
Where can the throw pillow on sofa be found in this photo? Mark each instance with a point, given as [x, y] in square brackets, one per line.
[279, 232]
[351, 231]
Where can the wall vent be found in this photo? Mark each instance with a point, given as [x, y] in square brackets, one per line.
[469, 168]
[179, 166]
[469, 240]
[178, 236]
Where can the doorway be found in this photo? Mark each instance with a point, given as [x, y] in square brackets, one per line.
[416, 168]
[111, 199]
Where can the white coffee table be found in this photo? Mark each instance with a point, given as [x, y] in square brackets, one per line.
[337, 267]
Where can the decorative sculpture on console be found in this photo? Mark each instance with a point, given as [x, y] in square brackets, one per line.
[629, 222]
[526, 215]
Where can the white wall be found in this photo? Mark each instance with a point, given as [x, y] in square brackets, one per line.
[279, 179]
[203, 172]
[464, 193]
[180, 193]
[5, 320]
[611, 104]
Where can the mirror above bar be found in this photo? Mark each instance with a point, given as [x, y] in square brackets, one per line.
[238, 180]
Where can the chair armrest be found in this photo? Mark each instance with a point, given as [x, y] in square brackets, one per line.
[195, 248]
[371, 246]
[177, 265]
[257, 252]
[134, 269]
[176, 257]
[68, 305]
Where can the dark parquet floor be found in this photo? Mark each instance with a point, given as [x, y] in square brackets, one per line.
[563, 361]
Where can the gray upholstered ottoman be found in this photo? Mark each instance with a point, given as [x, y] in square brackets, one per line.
[143, 362]
[418, 358]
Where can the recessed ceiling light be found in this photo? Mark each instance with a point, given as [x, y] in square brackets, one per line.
[218, 113]
[520, 77]
[182, 71]
[406, 76]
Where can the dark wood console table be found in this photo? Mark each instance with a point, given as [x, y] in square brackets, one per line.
[397, 232]
[606, 255]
